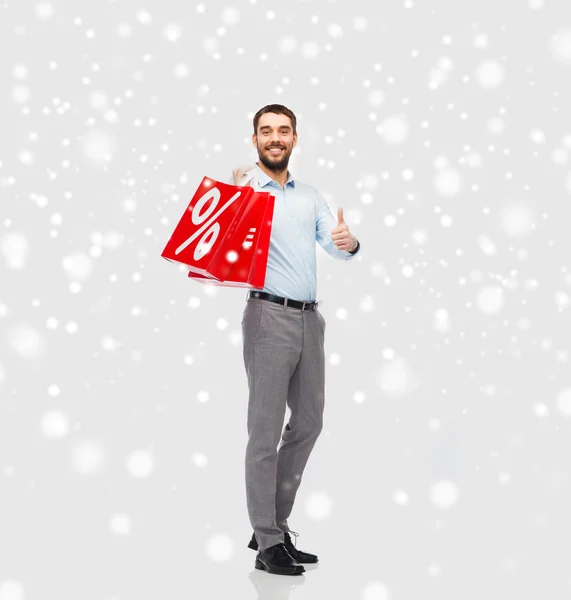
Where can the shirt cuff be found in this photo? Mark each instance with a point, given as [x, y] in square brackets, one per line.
[356, 249]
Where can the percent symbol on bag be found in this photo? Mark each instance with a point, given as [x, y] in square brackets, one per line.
[203, 247]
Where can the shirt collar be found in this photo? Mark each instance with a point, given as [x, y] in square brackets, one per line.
[264, 179]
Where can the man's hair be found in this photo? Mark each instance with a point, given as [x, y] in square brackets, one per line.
[279, 109]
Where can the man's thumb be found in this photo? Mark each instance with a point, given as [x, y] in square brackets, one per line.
[340, 216]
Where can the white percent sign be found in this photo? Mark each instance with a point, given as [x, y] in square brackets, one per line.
[203, 246]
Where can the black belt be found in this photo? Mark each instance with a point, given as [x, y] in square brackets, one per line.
[284, 301]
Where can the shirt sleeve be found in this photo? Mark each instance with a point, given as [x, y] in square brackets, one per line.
[324, 223]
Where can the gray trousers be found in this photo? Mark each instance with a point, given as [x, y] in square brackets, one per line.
[285, 363]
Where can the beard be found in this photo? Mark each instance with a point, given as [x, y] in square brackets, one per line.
[273, 163]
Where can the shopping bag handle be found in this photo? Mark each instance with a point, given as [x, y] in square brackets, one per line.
[251, 174]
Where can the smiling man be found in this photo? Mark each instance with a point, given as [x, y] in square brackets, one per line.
[275, 141]
[283, 335]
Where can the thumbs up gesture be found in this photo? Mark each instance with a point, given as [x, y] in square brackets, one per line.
[341, 235]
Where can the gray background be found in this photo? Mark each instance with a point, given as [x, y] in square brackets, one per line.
[442, 129]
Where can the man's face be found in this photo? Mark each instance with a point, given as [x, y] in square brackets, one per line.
[274, 131]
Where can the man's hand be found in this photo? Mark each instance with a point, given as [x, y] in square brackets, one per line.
[238, 173]
[341, 235]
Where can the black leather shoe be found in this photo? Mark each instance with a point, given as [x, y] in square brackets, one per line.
[276, 559]
[299, 555]
[253, 542]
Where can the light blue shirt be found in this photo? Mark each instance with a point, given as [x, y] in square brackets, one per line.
[301, 217]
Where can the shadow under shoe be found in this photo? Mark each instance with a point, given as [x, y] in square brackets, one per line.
[276, 559]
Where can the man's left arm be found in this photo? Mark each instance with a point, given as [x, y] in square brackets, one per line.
[333, 234]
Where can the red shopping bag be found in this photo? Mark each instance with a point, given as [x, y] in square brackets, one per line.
[244, 264]
[223, 235]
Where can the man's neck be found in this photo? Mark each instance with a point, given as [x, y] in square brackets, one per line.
[281, 178]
